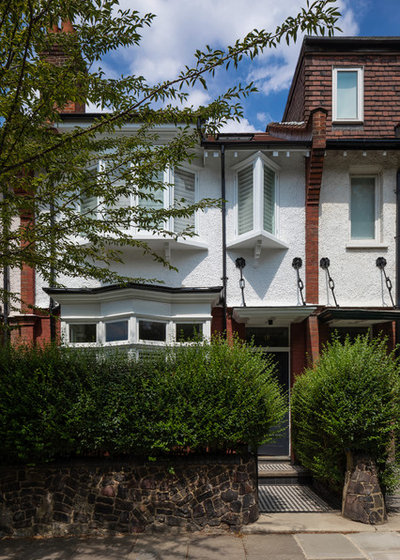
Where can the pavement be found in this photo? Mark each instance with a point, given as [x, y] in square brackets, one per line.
[299, 546]
[306, 536]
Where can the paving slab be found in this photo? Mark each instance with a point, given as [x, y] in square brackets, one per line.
[331, 522]
[321, 547]
[212, 547]
[107, 548]
[377, 542]
[38, 549]
[278, 547]
[159, 547]
[384, 556]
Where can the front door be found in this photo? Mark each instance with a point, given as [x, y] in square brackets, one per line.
[280, 446]
[275, 343]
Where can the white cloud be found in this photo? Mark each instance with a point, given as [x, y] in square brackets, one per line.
[242, 126]
[182, 26]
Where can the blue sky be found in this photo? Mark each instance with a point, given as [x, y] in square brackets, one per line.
[182, 26]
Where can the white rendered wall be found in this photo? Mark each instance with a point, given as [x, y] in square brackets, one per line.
[357, 279]
[270, 280]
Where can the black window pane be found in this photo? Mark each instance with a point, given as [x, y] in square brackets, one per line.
[188, 331]
[117, 331]
[152, 330]
[82, 333]
[268, 336]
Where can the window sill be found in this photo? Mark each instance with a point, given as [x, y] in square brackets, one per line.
[349, 122]
[257, 240]
[366, 244]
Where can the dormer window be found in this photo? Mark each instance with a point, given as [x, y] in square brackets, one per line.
[256, 204]
[347, 95]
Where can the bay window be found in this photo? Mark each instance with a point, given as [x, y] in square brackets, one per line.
[256, 186]
[180, 190]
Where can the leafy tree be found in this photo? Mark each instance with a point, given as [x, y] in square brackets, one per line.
[46, 168]
[347, 404]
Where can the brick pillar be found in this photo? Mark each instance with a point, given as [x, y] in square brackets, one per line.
[388, 330]
[27, 273]
[58, 57]
[217, 320]
[314, 169]
[297, 349]
[312, 339]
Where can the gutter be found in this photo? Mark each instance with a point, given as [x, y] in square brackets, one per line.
[364, 144]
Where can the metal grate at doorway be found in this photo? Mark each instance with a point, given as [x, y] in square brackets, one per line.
[290, 498]
[270, 466]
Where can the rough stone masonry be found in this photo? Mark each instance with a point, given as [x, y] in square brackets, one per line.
[101, 497]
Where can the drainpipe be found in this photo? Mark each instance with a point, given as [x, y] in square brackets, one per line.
[52, 304]
[398, 253]
[6, 304]
[223, 207]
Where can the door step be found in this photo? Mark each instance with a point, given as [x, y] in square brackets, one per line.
[282, 472]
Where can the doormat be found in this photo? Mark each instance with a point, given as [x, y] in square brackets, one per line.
[290, 498]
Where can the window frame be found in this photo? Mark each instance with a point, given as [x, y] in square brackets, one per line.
[82, 322]
[377, 218]
[168, 199]
[360, 94]
[257, 160]
[115, 320]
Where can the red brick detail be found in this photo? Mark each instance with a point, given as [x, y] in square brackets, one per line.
[33, 328]
[23, 329]
[387, 330]
[217, 320]
[27, 272]
[314, 170]
[298, 335]
[312, 340]
[59, 58]
[313, 88]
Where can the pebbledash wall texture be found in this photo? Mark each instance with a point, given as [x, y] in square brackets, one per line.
[96, 497]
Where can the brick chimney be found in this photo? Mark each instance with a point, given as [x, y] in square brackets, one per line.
[58, 57]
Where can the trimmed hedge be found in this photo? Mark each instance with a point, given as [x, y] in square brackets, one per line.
[349, 401]
[62, 402]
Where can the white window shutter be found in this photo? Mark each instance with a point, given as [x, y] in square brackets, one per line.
[245, 200]
[184, 194]
[269, 200]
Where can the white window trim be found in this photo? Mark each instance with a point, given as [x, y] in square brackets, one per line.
[257, 160]
[376, 242]
[360, 94]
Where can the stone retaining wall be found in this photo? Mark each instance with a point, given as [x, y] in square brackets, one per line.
[100, 497]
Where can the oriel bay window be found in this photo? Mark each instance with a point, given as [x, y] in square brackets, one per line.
[179, 190]
[256, 195]
[256, 204]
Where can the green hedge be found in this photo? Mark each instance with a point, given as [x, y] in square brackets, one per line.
[350, 401]
[60, 402]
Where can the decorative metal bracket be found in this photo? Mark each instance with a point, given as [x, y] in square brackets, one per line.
[240, 264]
[324, 263]
[381, 263]
[297, 263]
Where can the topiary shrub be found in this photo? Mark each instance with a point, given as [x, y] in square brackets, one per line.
[349, 402]
[62, 402]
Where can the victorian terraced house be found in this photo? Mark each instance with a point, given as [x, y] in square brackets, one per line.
[305, 244]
